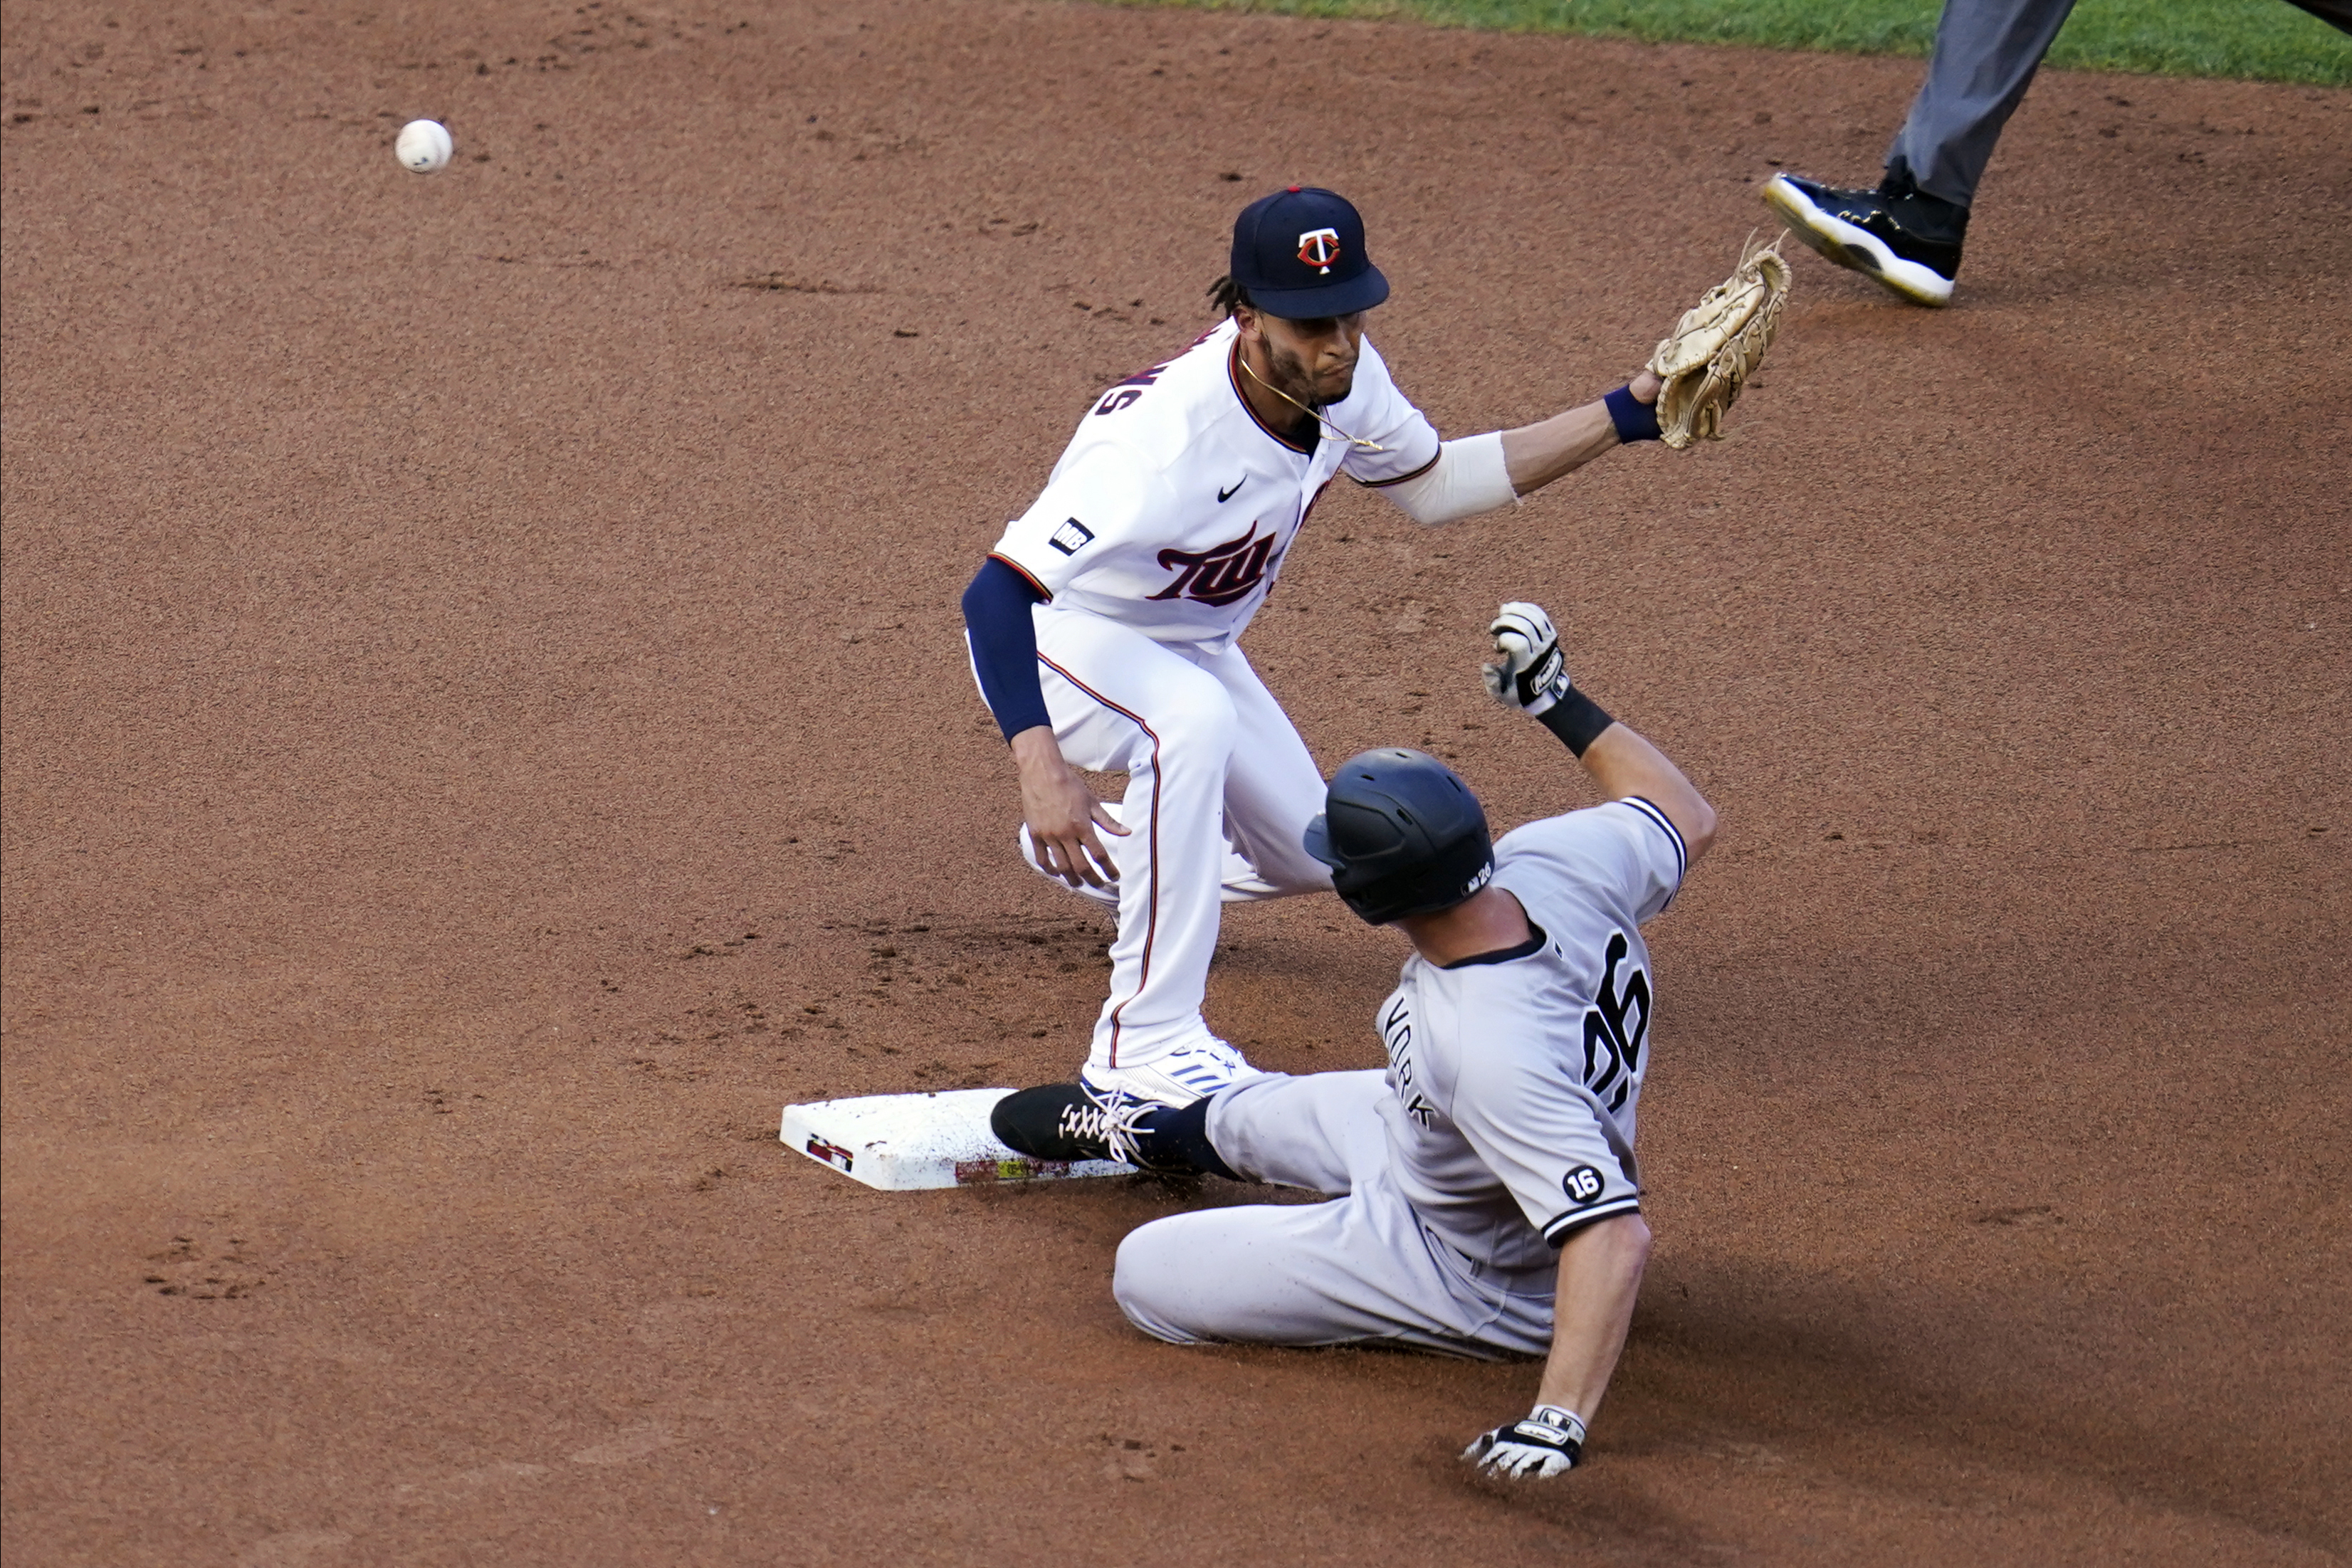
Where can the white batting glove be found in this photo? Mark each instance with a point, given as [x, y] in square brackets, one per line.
[1533, 675]
[1547, 1443]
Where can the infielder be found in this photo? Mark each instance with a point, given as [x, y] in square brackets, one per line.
[1103, 626]
[1491, 1203]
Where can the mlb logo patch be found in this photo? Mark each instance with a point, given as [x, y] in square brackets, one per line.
[1072, 537]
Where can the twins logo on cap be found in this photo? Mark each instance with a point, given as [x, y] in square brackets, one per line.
[1300, 254]
[1318, 248]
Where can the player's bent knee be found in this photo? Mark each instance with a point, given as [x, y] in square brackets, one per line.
[1200, 724]
[1148, 1283]
[1294, 873]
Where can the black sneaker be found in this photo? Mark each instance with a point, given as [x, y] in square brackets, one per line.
[1899, 234]
[1068, 1123]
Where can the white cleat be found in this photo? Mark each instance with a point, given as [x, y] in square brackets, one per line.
[1178, 1078]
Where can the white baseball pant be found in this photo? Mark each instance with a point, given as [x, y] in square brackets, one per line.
[1219, 793]
[1363, 1267]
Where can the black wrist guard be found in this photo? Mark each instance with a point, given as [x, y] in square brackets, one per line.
[1577, 719]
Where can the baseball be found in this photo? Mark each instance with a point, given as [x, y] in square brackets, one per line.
[423, 146]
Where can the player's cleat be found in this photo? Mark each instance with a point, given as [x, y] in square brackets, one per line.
[1069, 1121]
[1189, 1072]
[1906, 239]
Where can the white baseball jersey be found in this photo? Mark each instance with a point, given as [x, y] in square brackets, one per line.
[1514, 1081]
[1172, 507]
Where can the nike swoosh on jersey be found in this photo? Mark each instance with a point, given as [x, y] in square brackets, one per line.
[1224, 496]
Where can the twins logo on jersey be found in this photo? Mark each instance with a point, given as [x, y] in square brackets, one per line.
[1396, 1033]
[1220, 574]
[1615, 1024]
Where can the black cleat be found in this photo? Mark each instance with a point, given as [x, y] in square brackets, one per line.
[1068, 1123]
[1906, 239]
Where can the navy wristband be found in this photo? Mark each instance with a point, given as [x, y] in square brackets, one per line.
[1634, 420]
[1577, 719]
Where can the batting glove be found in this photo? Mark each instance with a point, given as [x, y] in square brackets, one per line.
[1547, 1443]
[1532, 675]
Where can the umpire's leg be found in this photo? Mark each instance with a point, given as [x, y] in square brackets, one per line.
[1986, 54]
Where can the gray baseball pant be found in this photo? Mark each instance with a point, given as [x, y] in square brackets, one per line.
[1363, 1267]
[1986, 54]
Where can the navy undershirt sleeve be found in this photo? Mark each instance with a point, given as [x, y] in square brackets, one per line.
[1004, 645]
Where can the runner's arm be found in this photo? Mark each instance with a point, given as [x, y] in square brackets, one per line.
[1600, 1272]
[1623, 762]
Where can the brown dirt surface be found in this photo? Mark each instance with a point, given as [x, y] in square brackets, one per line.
[486, 726]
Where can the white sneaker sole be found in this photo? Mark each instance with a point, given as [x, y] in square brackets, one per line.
[1176, 1080]
[1856, 248]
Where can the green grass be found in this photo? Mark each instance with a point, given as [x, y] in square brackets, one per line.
[2264, 40]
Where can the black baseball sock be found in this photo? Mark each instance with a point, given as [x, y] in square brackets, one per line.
[1179, 1143]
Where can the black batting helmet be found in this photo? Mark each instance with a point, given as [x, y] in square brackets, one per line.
[1402, 835]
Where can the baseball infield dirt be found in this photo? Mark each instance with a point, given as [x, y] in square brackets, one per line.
[486, 725]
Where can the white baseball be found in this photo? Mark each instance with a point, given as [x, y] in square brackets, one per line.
[424, 146]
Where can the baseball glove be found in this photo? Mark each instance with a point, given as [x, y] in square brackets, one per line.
[1716, 346]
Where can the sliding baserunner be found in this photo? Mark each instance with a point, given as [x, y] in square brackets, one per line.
[1488, 1202]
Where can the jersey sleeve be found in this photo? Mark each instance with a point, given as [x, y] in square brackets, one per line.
[1545, 1138]
[1380, 415]
[1653, 873]
[1629, 848]
[1101, 500]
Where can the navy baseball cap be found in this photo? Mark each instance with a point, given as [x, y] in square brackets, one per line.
[1300, 254]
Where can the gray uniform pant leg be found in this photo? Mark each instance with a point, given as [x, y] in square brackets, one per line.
[1986, 54]
[1361, 1268]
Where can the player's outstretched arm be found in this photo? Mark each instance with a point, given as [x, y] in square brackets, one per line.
[1536, 454]
[1600, 1274]
[1480, 473]
[1532, 676]
[1622, 762]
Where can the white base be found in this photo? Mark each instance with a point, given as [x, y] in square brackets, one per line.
[900, 1143]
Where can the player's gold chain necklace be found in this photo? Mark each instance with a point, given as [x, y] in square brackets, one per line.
[1356, 441]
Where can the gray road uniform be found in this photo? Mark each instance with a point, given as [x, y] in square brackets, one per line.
[1503, 1125]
